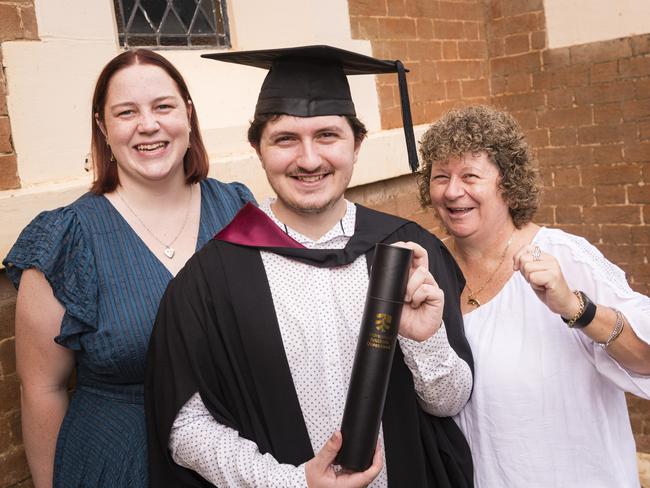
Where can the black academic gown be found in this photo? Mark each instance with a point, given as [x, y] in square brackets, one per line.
[217, 333]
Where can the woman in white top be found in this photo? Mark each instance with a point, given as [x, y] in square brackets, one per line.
[556, 332]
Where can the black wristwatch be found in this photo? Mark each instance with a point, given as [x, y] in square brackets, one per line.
[588, 312]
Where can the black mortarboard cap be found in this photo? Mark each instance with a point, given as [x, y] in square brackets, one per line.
[310, 81]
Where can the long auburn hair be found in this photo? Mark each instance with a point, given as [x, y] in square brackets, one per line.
[195, 161]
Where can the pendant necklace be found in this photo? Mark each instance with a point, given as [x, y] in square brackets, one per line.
[472, 295]
[169, 250]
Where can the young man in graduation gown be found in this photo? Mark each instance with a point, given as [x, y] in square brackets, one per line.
[252, 349]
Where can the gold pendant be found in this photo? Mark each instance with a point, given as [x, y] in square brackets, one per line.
[473, 302]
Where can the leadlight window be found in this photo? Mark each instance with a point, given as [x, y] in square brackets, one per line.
[172, 23]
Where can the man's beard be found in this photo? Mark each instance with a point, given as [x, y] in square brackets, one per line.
[310, 209]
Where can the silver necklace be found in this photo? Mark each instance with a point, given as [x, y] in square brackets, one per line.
[169, 250]
[472, 295]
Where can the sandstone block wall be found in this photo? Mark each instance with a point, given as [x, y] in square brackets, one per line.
[17, 21]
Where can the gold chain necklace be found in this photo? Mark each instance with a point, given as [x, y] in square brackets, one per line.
[471, 296]
[169, 250]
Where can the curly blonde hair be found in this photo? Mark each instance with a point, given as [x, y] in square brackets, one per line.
[480, 128]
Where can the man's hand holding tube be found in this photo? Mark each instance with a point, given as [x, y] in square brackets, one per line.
[424, 301]
[320, 471]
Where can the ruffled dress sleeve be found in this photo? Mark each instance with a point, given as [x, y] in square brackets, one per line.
[585, 268]
[55, 244]
[245, 195]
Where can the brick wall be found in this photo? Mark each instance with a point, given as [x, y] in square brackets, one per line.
[13, 465]
[17, 21]
[442, 43]
[585, 109]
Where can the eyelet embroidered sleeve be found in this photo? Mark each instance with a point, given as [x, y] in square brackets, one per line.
[443, 381]
[217, 453]
[585, 268]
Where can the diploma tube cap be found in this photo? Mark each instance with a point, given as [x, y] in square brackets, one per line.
[310, 81]
[394, 262]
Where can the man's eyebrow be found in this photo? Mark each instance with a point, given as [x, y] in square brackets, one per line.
[333, 128]
[282, 132]
[289, 132]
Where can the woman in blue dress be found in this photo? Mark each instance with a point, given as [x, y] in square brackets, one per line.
[90, 276]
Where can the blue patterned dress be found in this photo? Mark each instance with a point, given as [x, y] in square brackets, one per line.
[110, 284]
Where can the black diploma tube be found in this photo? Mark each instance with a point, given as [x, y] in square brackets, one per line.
[364, 405]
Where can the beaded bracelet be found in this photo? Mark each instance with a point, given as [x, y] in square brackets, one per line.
[618, 328]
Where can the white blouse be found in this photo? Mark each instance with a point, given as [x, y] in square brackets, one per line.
[548, 408]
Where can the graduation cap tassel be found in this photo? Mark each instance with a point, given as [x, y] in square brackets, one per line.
[406, 117]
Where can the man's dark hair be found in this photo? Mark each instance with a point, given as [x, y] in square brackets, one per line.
[259, 123]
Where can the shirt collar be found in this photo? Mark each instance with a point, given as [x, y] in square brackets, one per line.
[341, 231]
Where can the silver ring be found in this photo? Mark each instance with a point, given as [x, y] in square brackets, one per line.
[536, 254]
